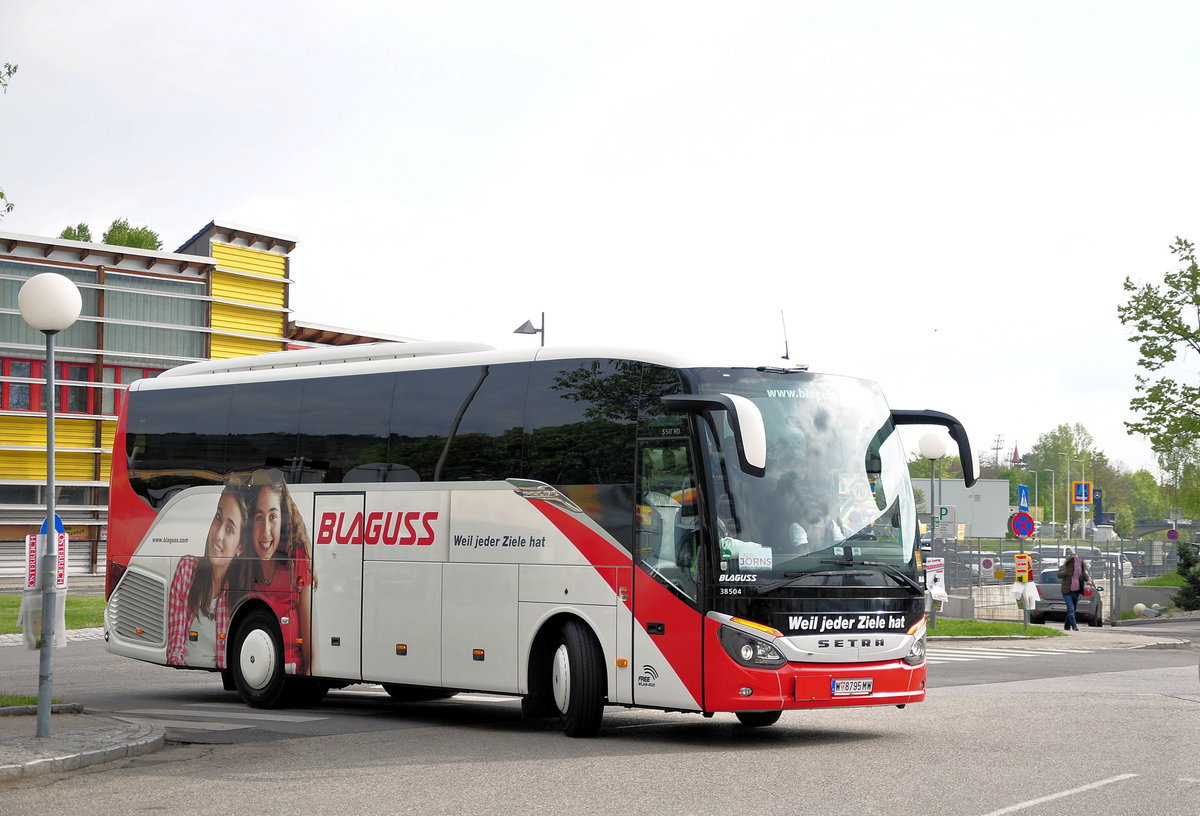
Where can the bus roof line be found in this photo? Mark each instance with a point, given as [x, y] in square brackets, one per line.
[364, 352]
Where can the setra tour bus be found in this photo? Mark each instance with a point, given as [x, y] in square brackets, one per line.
[578, 527]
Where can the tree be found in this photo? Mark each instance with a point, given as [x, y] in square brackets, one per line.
[1165, 321]
[121, 234]
[1188, 596]
[80, 232]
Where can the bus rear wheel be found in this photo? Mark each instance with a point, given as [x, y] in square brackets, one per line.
[577, 680]
[256, 661]
[757, 719]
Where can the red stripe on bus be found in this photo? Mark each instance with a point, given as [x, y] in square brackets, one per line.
[681, 649]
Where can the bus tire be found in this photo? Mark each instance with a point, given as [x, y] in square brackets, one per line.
[757, 719]
[257, 661]
[577, 681]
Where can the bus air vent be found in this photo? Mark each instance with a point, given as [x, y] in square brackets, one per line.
[138, 605]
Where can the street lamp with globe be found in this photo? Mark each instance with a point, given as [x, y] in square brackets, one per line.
[50, 303]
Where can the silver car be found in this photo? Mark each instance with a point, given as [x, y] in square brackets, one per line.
[1050, 603]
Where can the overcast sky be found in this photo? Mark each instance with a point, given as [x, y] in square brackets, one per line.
[942, 197]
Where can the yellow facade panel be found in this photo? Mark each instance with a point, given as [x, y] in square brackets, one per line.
[225, 347]
[74, 433]
[253, 291]
[249, 321]
[31, 430]
[249, 260]
[24, 430]
[105, 466]
[74, 466]
[23, 464]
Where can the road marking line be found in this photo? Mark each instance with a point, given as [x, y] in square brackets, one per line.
[235, 715]
[1061, 794]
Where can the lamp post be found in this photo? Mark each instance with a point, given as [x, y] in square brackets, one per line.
[1053, 513]
[1082, 478]
[1068, 458]
[933, 447]
[528, 328]
[50, 303]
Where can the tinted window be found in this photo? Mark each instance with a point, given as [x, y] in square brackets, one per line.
[423, 409]
[486, 432]
[581, 421]
[176, 438]
[344, 425]
[263, 423]
[653, 418]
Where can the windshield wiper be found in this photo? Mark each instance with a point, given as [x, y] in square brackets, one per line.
[895, 573]
[789, 577]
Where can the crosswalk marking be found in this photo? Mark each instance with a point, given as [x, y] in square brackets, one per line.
[967, 654]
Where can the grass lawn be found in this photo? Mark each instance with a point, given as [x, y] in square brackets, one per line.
[1170, 579]
[83, 612]
[953, 627]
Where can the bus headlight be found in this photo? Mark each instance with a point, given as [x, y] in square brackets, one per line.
[916, 655]
[749, 651]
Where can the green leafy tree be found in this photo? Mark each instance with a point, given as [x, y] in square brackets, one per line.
[1166, 321]
[121, 234]
[79, 232]
[1188, 596]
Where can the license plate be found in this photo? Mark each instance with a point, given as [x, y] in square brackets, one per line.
[1058, 606]
[853, 685]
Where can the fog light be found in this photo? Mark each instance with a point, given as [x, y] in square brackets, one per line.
[745, 691]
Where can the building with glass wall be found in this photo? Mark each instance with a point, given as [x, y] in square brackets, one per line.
[223, 294]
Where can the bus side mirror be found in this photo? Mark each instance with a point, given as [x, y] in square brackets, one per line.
[970, 460]
[749, 431]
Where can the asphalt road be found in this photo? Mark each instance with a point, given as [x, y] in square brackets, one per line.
[1109, 731]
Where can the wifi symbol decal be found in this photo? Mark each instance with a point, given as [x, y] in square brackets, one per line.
[650, 672]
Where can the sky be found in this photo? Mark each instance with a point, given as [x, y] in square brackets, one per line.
[944, 197]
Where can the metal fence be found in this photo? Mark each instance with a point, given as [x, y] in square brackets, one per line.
[980, 572]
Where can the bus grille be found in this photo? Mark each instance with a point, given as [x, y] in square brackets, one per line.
[138, 606]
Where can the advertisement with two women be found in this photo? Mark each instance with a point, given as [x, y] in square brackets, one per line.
[255, 546]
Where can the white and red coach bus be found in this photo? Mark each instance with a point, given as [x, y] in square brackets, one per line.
[582, 528]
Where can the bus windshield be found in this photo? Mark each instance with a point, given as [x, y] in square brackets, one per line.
[836, 486]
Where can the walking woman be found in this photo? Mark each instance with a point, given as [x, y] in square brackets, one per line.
[1074, 577]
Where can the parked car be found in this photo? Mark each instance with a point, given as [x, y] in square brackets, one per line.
[1050, 603]
[1110, 567]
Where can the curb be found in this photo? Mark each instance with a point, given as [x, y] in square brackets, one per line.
[49, 755]
[55, 708]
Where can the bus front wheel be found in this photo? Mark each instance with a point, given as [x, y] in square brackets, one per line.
[257, 661]
[577, 680]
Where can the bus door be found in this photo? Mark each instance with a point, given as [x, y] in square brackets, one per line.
[337, 585]
[668, 624]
